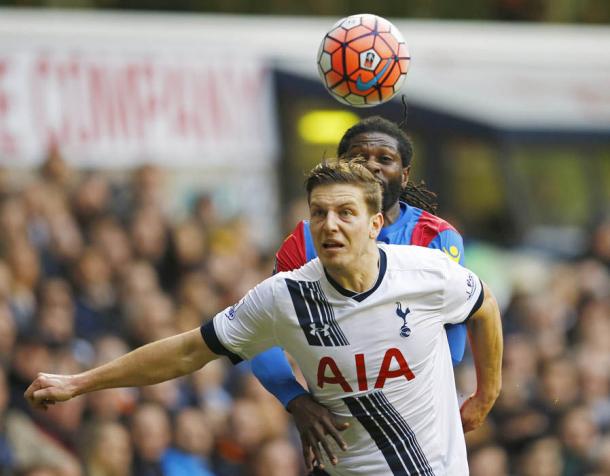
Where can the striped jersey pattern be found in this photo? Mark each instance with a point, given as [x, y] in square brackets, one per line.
[391, 433]
[316, 316]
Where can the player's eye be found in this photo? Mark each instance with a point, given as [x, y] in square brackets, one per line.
[386, 159]
[346, 212]
[317, 213]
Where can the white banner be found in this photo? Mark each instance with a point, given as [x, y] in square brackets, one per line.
[117, 106]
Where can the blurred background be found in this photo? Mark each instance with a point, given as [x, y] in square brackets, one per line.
[152, 162]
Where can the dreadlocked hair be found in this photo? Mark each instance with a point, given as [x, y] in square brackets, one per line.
[414, 194]
[417, 195]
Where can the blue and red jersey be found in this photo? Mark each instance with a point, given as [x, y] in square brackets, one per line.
[414, 226]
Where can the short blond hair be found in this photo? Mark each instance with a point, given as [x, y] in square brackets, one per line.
[338, 171]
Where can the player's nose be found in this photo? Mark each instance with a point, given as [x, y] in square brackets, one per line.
[372, 164]
[330, 222]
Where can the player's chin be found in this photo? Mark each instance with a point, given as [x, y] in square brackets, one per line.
[332, 252]
[334, 258]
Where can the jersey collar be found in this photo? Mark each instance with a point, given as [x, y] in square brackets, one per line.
[383, 264]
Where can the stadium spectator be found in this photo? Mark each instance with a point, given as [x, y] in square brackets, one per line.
[192, 445]
[107, 450]
[151, 436]
[276, 457]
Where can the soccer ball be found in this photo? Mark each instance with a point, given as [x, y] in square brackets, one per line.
[363, 60]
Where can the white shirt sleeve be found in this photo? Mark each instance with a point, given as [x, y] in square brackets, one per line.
[463, 293]
[245, 329]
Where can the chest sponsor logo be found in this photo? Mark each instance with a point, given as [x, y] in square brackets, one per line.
[394, 365]
[404, 329]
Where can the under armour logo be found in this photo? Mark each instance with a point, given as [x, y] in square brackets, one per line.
[315, 330]
[404, 329]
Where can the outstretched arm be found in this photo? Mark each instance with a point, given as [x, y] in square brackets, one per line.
[153, 363]
[485, 334]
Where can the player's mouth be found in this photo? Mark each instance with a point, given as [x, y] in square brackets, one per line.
[332, 245]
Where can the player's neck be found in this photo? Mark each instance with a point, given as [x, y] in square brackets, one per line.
[361, 275]
[391, 214]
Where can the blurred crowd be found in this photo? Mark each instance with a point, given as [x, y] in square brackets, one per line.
[553, 415]
[91, 267]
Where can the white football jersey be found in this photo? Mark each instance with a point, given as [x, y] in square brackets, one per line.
[378, 359]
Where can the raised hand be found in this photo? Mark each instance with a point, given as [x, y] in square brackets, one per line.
[315, 423]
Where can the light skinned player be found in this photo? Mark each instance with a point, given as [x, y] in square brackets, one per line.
[364, 321]
[408, 219]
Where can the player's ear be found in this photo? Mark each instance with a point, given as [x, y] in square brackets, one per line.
[376, 224]
[406, 171]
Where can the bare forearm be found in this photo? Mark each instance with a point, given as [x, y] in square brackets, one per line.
[153, 363]
[485, 335]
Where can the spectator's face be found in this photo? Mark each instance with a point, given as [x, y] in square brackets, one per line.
[193, 433]
[152, 319]
[140, 278]
[24, 265]
[92, 196]
[277, 458]
[93, 269]
[594, 326]
[56, 292]
[247, 426]
[148, 185]
[150, 432]
[67, 241]
[595, 380]
[578, 431]
[112, 451]
[13, 218]
[380, 152]
[490, 461]
[543, 458]
[56, 323]
[189, 241]
[560, 383]
[148, 234]
[520, 358]
[114, 244]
